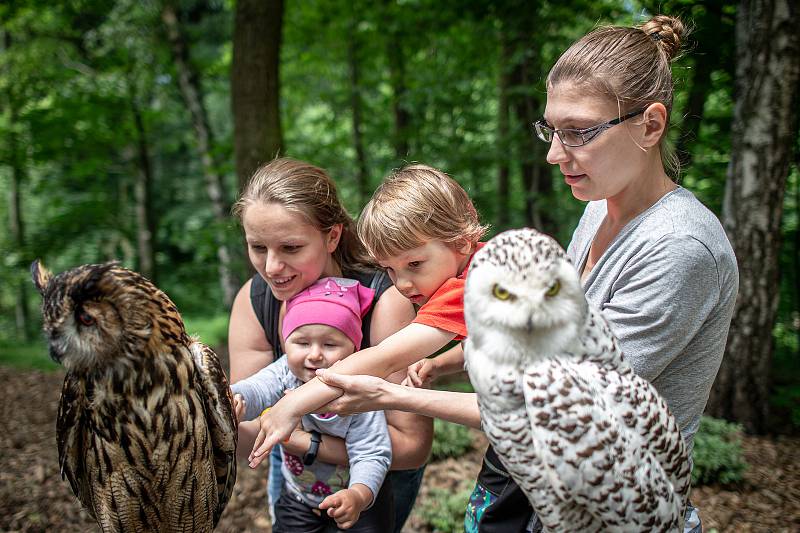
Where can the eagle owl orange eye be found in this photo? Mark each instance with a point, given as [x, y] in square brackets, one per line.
[85, 318]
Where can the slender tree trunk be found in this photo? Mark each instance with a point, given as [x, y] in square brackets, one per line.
[255, 84]
[503, 155]
[397, 80]
[145, 223]
[795, 298]
[764, 126]
[191, 91]
[19, 175]
[355, 103]
[536, 172]
[693, 115]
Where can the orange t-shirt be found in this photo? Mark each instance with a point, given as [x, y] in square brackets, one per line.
[445, 308]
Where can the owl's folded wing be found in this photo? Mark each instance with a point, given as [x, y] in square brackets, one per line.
[593, 459]
[70, 438]
[218, 405]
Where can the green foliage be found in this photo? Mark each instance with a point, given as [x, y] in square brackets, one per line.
[443, 510]
[786, 399]
[210, 330]
[718, 452]
[455, 386]
[26, 356]
[76, 75]
[449, 440]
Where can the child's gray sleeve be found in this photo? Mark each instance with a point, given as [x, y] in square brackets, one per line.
[369, 450]
[263, 389]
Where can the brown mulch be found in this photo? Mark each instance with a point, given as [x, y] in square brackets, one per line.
[34, 498]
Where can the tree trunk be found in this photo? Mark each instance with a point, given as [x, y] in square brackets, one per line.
[19, 175]
[693, 115]
[764, 126]
[397, 80]
[528, 104]
[503, 155]
[192, 94]
[255, 84]
[355, 103]
[145, 223]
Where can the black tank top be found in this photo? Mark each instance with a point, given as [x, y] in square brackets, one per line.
[268, 308]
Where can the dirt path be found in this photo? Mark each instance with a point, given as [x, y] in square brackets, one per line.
[34, 498]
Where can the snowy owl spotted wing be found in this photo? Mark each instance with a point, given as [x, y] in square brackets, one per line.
[607, 476]
[218, 406]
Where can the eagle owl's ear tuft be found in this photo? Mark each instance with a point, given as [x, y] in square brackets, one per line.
[41, 276]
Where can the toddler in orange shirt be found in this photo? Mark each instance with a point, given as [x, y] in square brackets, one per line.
[421, 226]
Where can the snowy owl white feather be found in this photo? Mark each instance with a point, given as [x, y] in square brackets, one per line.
[593, 446]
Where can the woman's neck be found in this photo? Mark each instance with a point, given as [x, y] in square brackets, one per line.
[639, 196]
[332, 269]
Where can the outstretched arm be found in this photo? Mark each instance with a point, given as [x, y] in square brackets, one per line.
[369, 393]
[396, 352]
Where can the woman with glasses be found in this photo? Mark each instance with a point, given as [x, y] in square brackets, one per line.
[652, 258]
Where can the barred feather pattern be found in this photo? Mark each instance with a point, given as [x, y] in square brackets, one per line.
[593, 446]
[146, 431]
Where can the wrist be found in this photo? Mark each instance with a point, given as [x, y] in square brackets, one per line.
[298, 443]
[315, 439]
[363, 493]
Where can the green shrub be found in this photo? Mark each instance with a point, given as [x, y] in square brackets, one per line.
[27, 356]
[449, 440]
[718, 452]
[211, 330]
[443, 510]
[786, 399]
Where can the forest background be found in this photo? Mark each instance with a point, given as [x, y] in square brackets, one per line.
[127, 128]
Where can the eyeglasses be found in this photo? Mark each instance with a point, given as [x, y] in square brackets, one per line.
[578, 137]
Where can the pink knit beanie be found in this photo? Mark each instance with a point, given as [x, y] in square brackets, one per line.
[337, 302]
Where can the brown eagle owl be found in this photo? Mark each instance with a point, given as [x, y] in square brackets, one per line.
[146, 431]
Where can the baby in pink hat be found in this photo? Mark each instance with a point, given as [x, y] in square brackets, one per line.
[321, 326]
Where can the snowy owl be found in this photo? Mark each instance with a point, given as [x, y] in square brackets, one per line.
[592, 445]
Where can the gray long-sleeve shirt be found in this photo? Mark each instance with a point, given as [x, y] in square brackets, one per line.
[667, 284]
[366, 437]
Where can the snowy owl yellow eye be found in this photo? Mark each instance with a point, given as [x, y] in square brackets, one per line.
[500, 293]
[553, 290]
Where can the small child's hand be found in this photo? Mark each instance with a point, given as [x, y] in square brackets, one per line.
[421, 373]
[239, 406]
[346, 505]
[276, 425]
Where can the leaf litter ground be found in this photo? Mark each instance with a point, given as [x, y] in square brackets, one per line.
[34, 498]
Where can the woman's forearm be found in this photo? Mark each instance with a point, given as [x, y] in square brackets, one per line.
[458, 407]
[308, 397]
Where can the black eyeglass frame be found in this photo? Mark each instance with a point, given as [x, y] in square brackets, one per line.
[545, 132]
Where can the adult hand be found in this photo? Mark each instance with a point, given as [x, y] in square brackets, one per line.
[361, 393]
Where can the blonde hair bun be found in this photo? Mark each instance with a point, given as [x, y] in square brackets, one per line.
[668, 32]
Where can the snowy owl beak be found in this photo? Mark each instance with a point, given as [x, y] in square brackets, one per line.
[529, 325]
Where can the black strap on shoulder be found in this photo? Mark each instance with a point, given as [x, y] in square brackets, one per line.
[379, 282]
[268, 310]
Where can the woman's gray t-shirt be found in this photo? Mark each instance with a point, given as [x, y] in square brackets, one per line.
[667, 284]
